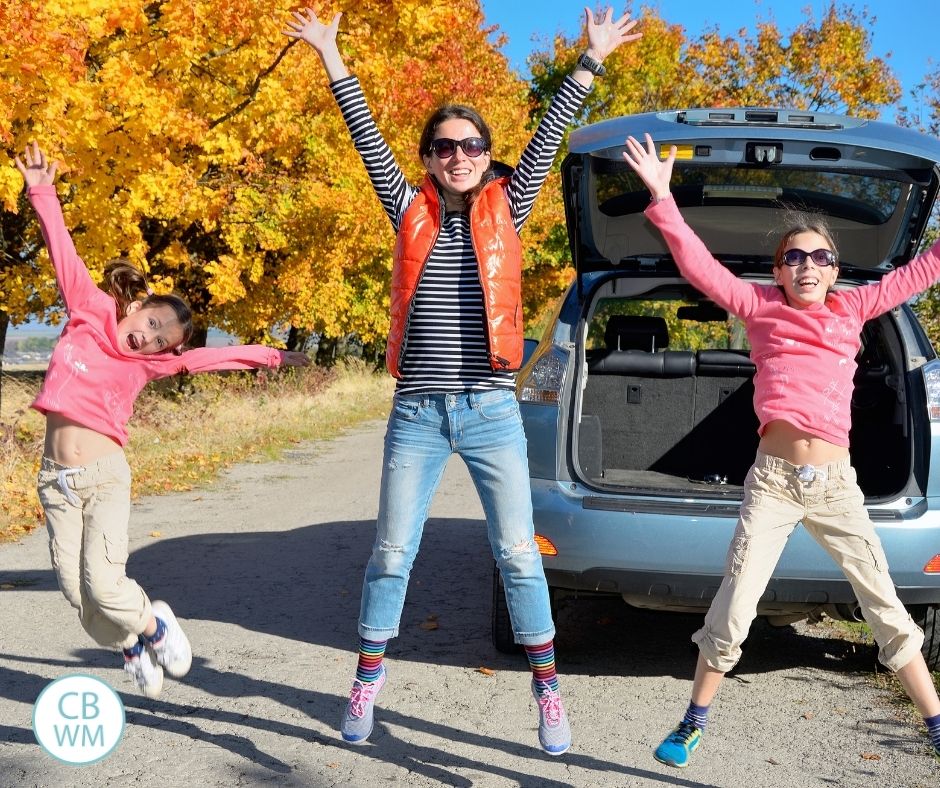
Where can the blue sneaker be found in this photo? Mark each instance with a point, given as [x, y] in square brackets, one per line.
[357, 719]
[679, 745]
[554, 731]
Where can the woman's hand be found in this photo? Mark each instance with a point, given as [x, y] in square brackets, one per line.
[605, 35]
[322, 38]
[307, 27]
[653, 171]
[37, 171]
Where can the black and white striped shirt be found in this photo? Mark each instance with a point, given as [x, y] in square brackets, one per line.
[445, 345]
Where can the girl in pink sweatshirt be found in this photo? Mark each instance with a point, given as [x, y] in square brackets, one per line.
[112, 345]
[804, 339]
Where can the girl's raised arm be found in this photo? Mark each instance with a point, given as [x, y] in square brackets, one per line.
[75, 283]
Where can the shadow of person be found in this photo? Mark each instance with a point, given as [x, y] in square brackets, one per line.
[433, 763]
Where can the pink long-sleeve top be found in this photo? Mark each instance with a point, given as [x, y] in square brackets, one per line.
[90, 380]
[804, 358]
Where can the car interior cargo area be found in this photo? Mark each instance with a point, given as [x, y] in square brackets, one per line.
[667, 400]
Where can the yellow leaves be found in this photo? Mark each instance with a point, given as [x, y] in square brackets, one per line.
[225, 279]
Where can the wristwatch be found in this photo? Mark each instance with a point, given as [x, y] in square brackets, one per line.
[592, 65]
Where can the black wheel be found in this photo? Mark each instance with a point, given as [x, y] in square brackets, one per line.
[927, 617]
[503, 639]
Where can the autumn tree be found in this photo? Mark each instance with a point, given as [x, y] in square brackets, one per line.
[202, 144]
[822, 65]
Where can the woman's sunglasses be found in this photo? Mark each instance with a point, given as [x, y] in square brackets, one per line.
[444, 147]
[821, 257]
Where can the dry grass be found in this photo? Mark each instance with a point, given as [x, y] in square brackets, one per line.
[181, 436]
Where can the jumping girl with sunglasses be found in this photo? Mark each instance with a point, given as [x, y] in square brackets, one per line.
[454, 343]
[804, 338]
[113, 344]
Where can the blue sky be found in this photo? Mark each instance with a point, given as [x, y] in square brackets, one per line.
[906, 28]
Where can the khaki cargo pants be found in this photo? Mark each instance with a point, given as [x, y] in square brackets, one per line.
[829, 503]
[87, 512]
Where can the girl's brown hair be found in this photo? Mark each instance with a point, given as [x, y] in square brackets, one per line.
[127, 284]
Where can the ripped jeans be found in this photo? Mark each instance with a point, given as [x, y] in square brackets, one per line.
[830, 504]
[485, 429]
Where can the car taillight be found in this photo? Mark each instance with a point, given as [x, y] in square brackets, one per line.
[545, 546]
[545, 379]
[932, 383]
[933, 566]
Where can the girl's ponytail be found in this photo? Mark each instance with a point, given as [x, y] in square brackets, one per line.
[126, 284]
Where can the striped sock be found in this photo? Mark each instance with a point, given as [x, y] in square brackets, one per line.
[371, 654]
[933, 728]
[542, 662]
[157, 636]
[696, 715]
[135, 650]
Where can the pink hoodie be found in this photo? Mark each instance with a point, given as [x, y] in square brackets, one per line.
[90, 380]
[805, 358]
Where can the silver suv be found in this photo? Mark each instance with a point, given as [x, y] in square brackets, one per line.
[637, 402]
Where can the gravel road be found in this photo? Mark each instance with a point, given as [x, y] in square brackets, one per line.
[264, 568]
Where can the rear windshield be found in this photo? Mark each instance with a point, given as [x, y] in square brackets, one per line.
[690, 325]
[859, 197]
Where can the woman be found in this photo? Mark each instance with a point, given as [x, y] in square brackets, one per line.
[454, 342]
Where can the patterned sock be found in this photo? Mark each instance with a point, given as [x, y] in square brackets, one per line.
[933, 728]
[696, 715]
[134, 651]
[371, 654]
[542, 662]
[157, 636]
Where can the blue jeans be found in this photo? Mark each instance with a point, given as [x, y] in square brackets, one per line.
[485, 429]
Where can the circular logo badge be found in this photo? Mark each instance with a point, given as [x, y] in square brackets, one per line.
[78, 719]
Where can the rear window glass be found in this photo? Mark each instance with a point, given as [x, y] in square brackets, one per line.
[690, 325]
[859, 197]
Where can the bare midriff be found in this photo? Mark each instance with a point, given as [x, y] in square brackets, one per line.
[71, 444]
[790, 443]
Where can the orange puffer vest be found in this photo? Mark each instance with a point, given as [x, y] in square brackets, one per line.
[499, 262]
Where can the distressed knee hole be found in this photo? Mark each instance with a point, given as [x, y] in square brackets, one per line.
[520, 548]
[388, 547]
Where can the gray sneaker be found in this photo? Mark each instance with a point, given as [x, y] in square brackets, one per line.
[554, 731]
[145, 671]
[357, 719]
[173, 651]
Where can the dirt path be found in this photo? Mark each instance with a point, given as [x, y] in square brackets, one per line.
[265, 569]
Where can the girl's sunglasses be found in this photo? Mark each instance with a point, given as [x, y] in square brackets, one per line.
[444, 147]
[821, 257]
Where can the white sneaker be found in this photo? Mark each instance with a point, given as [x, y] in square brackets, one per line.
[145, 671]
[173, 651]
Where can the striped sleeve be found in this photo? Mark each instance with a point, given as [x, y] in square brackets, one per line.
[393, 191]
[539, 154]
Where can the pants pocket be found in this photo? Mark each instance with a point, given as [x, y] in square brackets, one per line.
[115, 548]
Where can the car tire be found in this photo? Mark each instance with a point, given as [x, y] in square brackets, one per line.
[503, 639]
[927, 617]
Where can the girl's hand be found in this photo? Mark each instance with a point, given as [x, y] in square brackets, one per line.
[37, 171]
[645, 162]
[294, 358]
[605, 35]
[307, 27]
